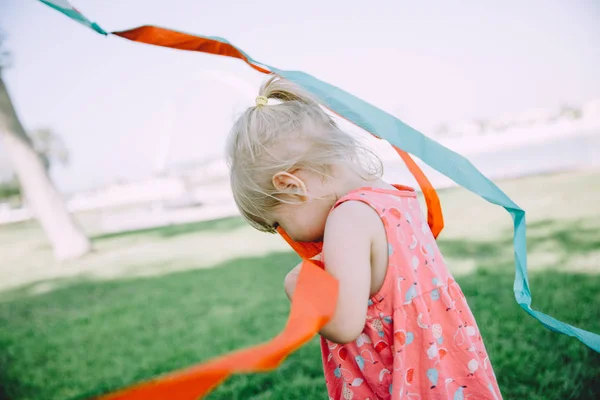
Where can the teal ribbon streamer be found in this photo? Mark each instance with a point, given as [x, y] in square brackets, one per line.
[75, 15]
[449, 163]
[442, 159]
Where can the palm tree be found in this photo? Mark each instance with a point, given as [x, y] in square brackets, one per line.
[66, 237]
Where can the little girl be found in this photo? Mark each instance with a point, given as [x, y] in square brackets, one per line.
[402, 328]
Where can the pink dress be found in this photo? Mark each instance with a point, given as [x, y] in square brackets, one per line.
[420, 340]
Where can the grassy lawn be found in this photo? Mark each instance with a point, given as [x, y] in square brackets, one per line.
[152, 301]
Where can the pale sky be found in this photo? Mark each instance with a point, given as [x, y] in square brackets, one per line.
[427, 63]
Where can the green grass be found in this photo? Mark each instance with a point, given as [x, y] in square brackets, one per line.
[74, 331]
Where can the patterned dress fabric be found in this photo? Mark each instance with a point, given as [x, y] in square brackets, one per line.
[420, 340]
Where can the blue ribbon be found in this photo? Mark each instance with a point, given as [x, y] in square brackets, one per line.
[449, 163]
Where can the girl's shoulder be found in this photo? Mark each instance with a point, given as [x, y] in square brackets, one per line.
[382, 199]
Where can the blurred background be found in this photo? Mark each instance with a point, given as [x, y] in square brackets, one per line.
[130, 260]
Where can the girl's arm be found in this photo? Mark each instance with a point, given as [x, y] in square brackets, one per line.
[349, 234]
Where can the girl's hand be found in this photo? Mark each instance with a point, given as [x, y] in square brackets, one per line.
[291, 279]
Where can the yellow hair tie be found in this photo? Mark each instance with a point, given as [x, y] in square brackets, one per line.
[261, 101]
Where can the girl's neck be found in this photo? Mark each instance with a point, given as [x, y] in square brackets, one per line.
[347, 180]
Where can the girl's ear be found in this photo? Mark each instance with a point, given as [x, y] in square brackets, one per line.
[287, 183]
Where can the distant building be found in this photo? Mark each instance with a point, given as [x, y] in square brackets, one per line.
[201, 172]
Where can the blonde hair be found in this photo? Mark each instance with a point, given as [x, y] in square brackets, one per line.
[294, 134]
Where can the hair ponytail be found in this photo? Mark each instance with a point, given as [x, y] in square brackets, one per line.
[284, 90]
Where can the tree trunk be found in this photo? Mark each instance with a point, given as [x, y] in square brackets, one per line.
[68, 240]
